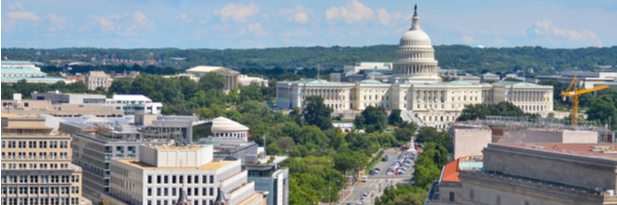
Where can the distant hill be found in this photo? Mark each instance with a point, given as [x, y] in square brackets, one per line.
[470, 59]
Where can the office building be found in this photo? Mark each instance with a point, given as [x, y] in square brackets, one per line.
[448, 190]
[162, 172]
[533, 174]
[95, 144]
[36, 164]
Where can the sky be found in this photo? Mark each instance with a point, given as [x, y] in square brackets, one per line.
[284, 23]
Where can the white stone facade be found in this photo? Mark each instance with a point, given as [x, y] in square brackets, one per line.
[415, 86]
[96, 79]
[157, 178]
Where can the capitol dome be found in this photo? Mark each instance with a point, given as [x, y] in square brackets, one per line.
[415, 56]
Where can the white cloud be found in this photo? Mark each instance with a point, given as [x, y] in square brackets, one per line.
[22, 15]
[56, 21]
[128, 31]
[545, 29]
[140, 17]
[17, 5]
[298, 33]
[201, 33]
[106, 25]
[237, 12]
[257, 30]
[384, 18]
[468, 39]
[353, 12]
[298, 14]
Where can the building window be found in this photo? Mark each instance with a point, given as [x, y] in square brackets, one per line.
[204, 191]
[173, 179]
[471, 195]
[211, 179]
[158, 179]
[158, 191]
[204, 178]
[149, 179]
[498, 202]
[165, 179]
[451, 196]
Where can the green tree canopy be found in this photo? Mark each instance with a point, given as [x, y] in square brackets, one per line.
[317, 113]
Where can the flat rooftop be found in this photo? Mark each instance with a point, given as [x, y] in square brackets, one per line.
[177, 147]
[209, 166]
[452, 169]
[607, 151]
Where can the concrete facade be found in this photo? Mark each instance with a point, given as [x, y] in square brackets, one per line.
[543, 174]
[140, 182]
[469, 141]
[36, 164]
[96, 79]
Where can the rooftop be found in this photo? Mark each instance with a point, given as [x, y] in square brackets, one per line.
[451, 170]
[515, 83]
[176, 147]
[16, 62]
[606, 151]
[130, 98]
[20, 71]
[209, 166]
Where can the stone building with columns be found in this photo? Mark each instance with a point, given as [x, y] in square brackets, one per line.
[416, 88]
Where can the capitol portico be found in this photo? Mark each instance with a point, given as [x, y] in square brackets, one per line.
[416, 88]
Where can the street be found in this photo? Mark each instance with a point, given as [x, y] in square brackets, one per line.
[376, 183]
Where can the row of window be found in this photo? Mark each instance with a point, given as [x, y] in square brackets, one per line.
[180, 179]
[35, 166]
[165, 202]
[33, 144]
[54, 201]
[40, 190]
[33, 155]
[189, 191]
[40, 179]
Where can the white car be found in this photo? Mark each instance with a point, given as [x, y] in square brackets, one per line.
[364, 179]
[389, 173]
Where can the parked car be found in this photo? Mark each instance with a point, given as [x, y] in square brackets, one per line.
[364, 179]
[385, 159]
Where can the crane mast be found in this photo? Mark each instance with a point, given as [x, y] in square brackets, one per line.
[574, 92]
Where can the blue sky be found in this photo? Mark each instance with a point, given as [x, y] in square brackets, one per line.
[283, 23]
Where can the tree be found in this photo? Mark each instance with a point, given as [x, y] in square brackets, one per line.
[273, 149]
[427, 134]
[317, 113]
[473, 111]
[503, 108]
[212, 80]
[600, 110]
[373, 119]
[286, 144]
[395, 117]
[403, 135]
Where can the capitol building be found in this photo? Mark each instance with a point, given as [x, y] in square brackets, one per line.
[415, 87]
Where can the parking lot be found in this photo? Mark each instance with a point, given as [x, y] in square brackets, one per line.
[376, 183]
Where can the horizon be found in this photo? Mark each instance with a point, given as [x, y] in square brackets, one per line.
[245, 24]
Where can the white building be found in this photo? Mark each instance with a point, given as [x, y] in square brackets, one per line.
[367, 65]
[19, 64]
[159, 174]
[246, 80]
[132, 104]
[415, 87]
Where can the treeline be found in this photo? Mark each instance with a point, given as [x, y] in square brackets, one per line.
[473, 60]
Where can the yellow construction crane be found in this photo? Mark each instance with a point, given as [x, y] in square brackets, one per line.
[573, 92]
[58, 61]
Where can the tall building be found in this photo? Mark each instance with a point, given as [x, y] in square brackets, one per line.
[96, 79]
[47, 107]
[416, 88]
[532, 174]
[36, 164]
[96, 144]
[162, 172]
